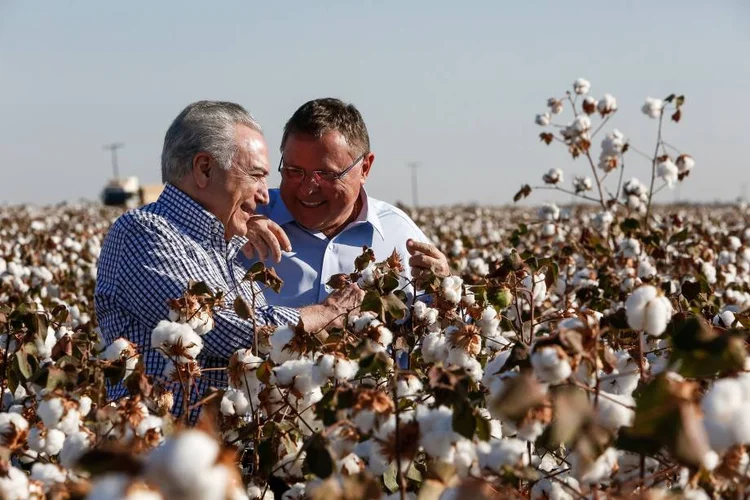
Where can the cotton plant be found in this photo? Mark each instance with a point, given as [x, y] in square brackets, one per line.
[578, 136]
[536, 368]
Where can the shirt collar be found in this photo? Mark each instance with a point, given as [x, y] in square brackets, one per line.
[196, 221]
[281, 214]
[368, 214]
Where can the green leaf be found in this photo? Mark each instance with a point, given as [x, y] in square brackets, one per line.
[362, 261]
[372, 302]
[26, 359]
[679, 237]
[669, 98]
[199, 288]
[414, 474]
[701, 350]
[484, 429]
[690, 289]
[102, 461]
[393, 306]
[390, 283]
[390, 479]
[629, 225]
[500, 297]
[317, 458]
[463, 421]
[242, 309]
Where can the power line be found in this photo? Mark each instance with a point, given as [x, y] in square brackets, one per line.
[113, 149]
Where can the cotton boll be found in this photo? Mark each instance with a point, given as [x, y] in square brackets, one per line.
[459, 357]
[330, 366]
[184, 467]
[597, 472]
[549, 212]
[630, 248]
[548, 489]
[452, 289]
[296, 492]
[537, 286]
[492, 370]
[434, 348]
[48, 474]
[255, 492]
[554, 176]
[234, 402]
[113, 486]
[363, 321]
[667, 171]
[424, 314]
[14, 484]
[646, 309]
[581, 124]
[581, 86]
[493, 455]
[555, 106]
[436, 433]
[75, 445]
[51, 411]
[726, 319]
[606, 105]
[543, 120]
[721, 407]
[652, 107]
[178, 340]
[48, 441]
[624, 380]
[685, 163]
[551, 364]
[408, 386]
[615, 410]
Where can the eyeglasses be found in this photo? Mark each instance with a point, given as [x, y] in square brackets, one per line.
[321, 176]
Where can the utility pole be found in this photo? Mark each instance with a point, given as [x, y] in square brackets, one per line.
[113, 149]
[413, 166]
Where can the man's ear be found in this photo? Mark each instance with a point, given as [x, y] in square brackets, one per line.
[367, 165]
[203, 170]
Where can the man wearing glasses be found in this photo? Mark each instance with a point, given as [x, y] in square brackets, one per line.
[321, 216]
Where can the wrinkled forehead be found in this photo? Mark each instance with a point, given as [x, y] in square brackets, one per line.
[252, 150]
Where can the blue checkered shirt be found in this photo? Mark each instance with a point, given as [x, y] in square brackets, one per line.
[148, 257]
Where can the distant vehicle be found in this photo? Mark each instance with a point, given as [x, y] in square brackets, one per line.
[128, 193]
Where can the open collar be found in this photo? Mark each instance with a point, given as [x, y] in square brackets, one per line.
[281, 215]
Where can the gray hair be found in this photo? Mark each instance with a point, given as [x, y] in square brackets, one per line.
[203, 127]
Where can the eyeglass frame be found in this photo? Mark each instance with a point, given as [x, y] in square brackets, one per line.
[316, 173]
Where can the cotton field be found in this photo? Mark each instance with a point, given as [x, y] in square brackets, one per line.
[593, 350]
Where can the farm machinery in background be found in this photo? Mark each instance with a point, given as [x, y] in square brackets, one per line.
[127, 191]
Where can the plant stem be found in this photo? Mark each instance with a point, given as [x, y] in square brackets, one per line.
[653, 168]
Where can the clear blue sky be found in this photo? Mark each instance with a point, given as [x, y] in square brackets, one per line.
[454, 85]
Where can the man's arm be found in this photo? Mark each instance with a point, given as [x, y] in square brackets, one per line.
[152, 267]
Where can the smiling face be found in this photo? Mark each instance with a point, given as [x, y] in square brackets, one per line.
[233, 195]
[319, 205]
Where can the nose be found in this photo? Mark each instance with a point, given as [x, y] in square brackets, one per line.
[261, 195]
[308, 182]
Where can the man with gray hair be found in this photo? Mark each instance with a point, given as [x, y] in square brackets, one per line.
[215, 165]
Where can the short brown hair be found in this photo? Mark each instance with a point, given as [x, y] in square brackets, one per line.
[320, 116]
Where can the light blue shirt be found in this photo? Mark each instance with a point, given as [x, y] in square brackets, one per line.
[315, 257]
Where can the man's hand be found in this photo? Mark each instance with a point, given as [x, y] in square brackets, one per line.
[332, 312]
[265, 238]
[345, 299]
[425, 259]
